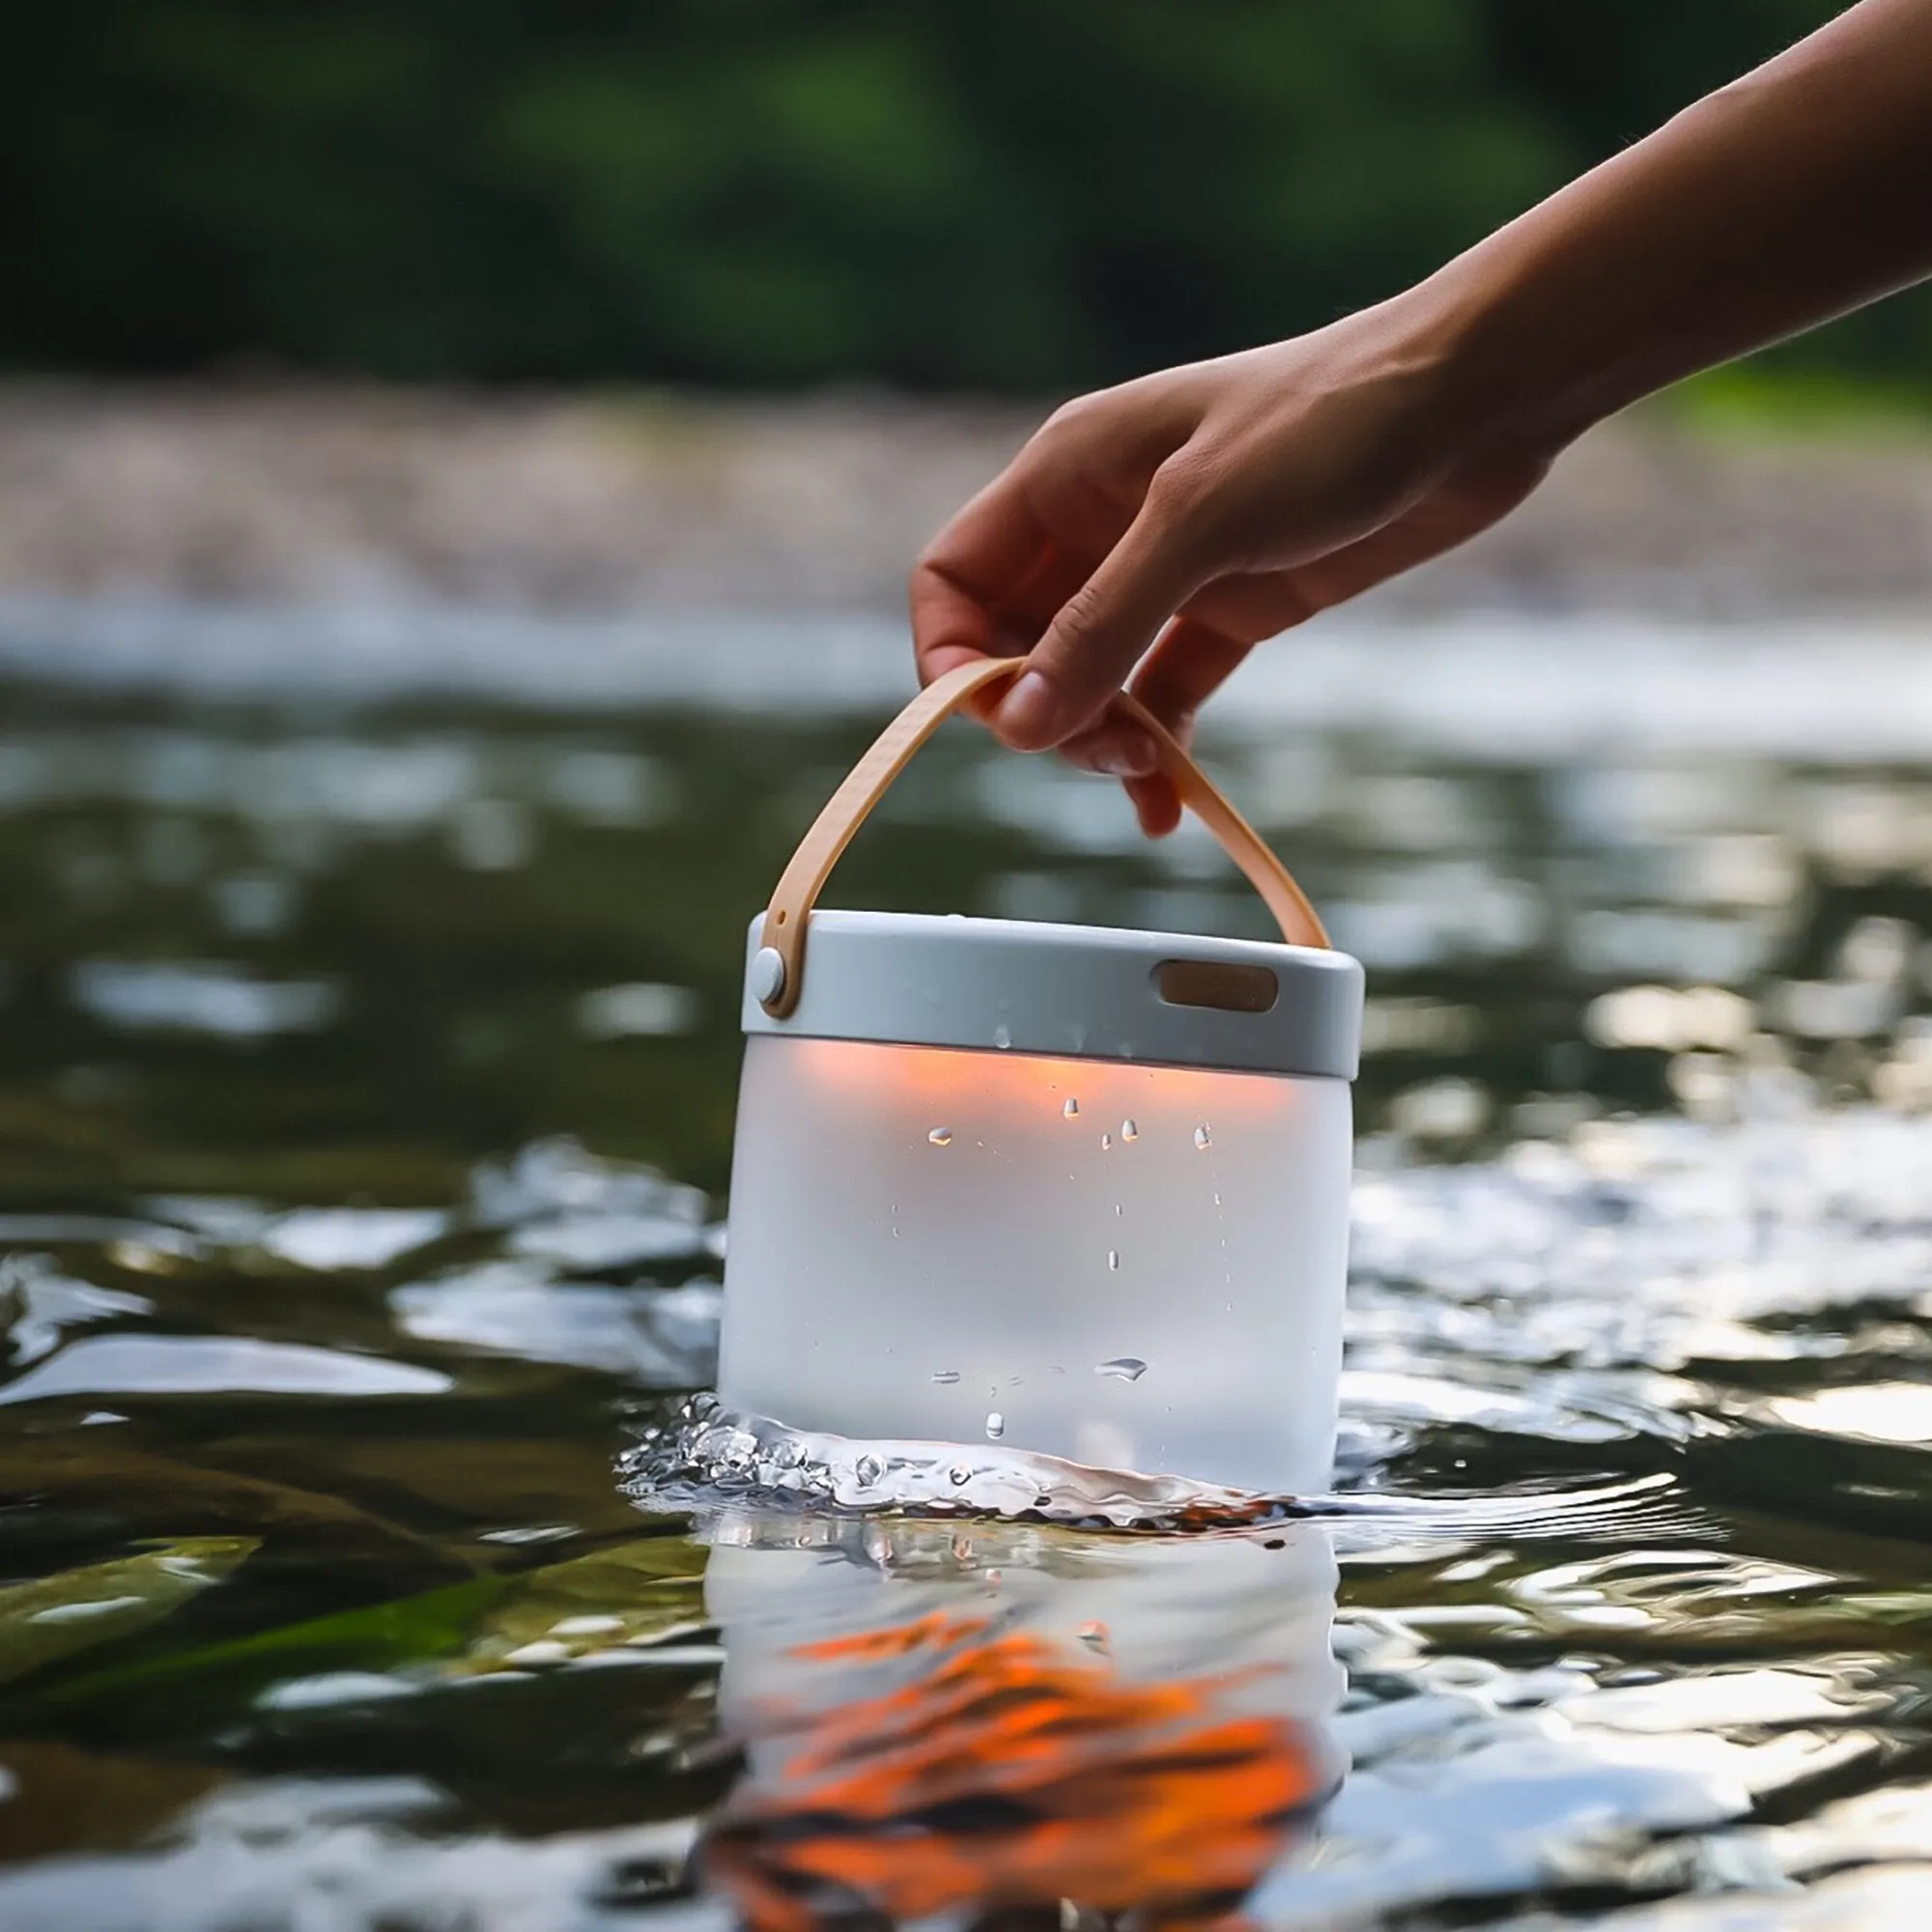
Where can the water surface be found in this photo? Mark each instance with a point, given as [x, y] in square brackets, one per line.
[367, 1057]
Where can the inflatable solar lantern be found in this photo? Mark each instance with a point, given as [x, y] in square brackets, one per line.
[1079, 1191]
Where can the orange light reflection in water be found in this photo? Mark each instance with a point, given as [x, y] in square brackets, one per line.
[1010, 1775]
[1020, 1084]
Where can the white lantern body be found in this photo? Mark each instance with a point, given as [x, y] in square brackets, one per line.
[1130, 1255]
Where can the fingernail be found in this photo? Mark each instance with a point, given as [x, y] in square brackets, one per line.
[1026, 717]
[1132, 758]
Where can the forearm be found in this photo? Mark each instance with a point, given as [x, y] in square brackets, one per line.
[1796, 194]
[1161, 529]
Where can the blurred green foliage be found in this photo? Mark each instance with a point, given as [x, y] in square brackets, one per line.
[995, 194]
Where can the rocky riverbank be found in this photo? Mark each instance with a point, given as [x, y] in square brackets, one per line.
[315, 496]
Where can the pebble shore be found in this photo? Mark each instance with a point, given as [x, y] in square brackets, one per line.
[608, 503]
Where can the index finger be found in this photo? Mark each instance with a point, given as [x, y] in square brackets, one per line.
[970, 573]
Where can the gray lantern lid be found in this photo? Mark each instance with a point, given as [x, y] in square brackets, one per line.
[1079, 991]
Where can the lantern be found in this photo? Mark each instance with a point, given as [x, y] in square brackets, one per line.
[1079, 1191]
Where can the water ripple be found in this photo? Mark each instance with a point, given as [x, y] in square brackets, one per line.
[707, 1457]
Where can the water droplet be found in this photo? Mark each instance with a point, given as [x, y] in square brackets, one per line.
[1122, 1369]
[945, 1378]
[1128, 1132]
[1003, 1037]
[1217, 1201]
[959, 1475]
[1113, 1260]
[941, 1136]
[1095, 1637]
[996, 1424]
[1071, 1110]
[869, 1472]
[1203, 1137]
[1106, 1141]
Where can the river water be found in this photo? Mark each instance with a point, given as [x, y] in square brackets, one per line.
[367, 1062]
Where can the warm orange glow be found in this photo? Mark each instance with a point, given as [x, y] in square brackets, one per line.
[1011, 1773]
[1024, 1083]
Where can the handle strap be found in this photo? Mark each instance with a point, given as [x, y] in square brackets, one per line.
[782, 978]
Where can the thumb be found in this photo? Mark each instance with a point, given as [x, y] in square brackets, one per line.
[1099, 635]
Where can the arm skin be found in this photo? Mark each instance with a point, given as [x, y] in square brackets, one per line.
[1177, 521]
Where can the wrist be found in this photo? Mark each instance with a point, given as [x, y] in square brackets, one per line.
[1429, 374]
[1501, 376]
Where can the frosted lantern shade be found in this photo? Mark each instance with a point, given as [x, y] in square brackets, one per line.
[922, 1237]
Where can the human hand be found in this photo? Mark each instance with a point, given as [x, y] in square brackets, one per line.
[1177, 521]
[1174, 522]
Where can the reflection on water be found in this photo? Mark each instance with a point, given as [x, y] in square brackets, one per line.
[367, 1077]
[979, 1722]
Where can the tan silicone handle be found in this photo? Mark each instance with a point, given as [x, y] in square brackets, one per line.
[790, 913]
